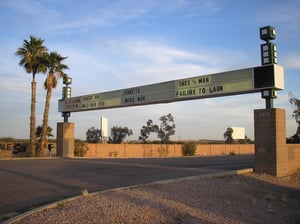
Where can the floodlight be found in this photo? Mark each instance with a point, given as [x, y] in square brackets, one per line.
[268, 53]
[269, 94]
[267, 33]
[66, 93]
[67, 80]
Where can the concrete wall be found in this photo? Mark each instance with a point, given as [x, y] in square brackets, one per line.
[224, 149]
[293, 158]
[157, 150]
[8, 147]
[173, 150]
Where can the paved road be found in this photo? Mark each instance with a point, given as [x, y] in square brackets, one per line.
[29, 183]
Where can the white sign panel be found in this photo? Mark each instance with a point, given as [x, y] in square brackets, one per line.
[238, 133]
[216, 84]
[104, 127]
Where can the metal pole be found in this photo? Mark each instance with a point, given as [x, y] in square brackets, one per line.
[66, 120]
[269, 103]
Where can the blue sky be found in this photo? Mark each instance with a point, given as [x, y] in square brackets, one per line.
[119, 44]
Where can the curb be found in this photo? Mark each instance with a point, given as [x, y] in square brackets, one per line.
[203, 176]
[174, 180]
[31, 158]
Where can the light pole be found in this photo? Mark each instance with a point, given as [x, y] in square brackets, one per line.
[66, 93]
[268, 52]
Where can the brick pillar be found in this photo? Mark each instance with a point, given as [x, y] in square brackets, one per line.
[65, 140]
[271, 155]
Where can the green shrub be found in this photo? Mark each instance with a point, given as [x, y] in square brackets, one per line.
[189, 149]
[80, 148]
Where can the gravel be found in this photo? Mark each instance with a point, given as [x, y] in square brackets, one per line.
[247, 198]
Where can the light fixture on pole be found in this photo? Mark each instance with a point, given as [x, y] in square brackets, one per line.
[268, 49]
[268, 52]
[67, 80]
[269, 95]
[267, 33]
[66, 93]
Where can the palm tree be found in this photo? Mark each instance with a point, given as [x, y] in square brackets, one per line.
[32, 54]
[55, 68]
[38, 131]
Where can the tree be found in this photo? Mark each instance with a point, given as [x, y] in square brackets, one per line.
[166, 129]
[296, 114]
[38, 132]
[55, 68]
[32, 55]
[246, 140]
[293, 139]
[93, 135]
[118, 134]
[146, 130]
[228, 136]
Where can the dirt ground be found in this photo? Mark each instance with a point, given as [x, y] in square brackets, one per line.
[248, 198]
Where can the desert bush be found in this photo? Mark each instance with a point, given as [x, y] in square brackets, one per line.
[232, 153]
[189, 149]
[80, 148]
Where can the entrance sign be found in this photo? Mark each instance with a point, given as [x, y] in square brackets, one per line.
[271, 152]
[241, 81]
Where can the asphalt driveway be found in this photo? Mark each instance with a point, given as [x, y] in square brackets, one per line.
[29, 183]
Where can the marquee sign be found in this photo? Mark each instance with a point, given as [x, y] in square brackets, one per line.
[241, 81]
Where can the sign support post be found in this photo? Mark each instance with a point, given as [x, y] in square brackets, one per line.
[271, 152]
[268, 57]
[65, 130]
[65, 140]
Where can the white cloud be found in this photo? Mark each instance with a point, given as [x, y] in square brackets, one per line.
[82, 16]
[291, 61]
[140, 61]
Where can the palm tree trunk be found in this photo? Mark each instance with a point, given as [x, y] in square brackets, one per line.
[45, 122]
[32, 118]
